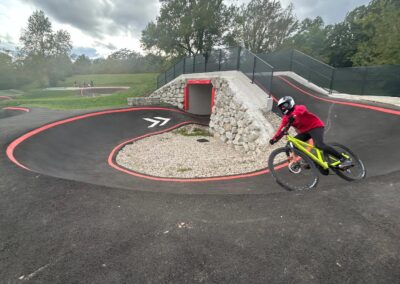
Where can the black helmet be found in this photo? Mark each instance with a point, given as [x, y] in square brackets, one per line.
[286, 104]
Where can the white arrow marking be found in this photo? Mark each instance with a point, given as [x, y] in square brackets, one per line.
[162, 118]
[156, 122]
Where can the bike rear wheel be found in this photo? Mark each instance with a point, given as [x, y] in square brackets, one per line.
[301, 176]
[356, 172]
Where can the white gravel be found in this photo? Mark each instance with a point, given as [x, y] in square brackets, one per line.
[174, 155]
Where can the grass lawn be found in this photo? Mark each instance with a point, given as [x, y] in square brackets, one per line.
[140, 85]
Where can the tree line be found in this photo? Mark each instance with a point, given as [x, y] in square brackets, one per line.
[369, 35]
[45, 58]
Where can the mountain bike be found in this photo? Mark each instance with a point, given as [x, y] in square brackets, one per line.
[297, 165]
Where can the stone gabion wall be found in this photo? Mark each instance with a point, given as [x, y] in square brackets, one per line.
[233, 120]
[172, 93]
[234, 123]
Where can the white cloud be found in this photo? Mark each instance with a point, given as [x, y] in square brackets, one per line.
[13, 18]
[104, 25]
[331, 11]
[108, 24]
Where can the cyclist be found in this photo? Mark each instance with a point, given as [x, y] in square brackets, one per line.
[308, 126]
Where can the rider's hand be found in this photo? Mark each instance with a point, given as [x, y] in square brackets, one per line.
[273, 141]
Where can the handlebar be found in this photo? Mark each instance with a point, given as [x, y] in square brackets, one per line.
[284, 131]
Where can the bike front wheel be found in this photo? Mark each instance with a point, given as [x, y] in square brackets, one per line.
[299, 174]
[356, 172]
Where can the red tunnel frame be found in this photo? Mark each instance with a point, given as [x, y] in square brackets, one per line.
[196, 82]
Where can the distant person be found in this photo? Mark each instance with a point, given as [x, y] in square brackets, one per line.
[307, 125]
[75, 84]
[91, 83]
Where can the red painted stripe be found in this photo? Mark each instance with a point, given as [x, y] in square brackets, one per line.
[17, 108]
[212, 98]
[5, 97]
[11, 148]
[274, 98]
[186, 98]
[199, 82]
[379, 109]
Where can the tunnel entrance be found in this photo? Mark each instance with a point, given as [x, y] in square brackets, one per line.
[199, 97]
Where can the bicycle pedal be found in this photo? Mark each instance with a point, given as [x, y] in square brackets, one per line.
[294, 168]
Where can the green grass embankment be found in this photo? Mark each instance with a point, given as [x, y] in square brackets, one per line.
[140, 85]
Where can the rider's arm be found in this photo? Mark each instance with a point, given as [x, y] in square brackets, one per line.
[278, 133]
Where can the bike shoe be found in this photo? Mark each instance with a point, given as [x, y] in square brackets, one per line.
[323, 171]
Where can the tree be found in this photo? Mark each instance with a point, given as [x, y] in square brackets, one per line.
[7, 72]
[38, 35]
[309, 38]
[381, 27]
[38, 38]
[369, 35]
[124, 54]
[186, 27]
[262, 25]
[45, 54]
[60, 43]
[82, 65]
[343, 39]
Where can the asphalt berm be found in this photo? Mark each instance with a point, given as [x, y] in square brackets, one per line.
[75, 218]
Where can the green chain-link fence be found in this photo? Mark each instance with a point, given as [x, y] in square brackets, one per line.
[376, 80]
[227, 59]
[371, 80]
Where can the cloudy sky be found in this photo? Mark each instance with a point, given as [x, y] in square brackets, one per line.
[99, 27]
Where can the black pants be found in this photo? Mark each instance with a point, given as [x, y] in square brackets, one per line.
[317, 134]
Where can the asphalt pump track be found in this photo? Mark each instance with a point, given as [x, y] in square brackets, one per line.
[83, 148]
[12, 111]
[63, 230]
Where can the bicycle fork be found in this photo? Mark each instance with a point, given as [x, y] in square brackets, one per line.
[293, 161]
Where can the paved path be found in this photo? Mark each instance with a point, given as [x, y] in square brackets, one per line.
[59, 223]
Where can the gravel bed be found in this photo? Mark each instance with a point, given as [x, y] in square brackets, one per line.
[178, 156]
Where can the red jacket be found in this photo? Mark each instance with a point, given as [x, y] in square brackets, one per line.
[304, 120]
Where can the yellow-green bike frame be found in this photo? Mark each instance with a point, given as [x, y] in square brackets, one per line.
[307, 149]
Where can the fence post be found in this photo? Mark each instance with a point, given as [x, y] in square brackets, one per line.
[364, 81]
[184, 65]
[219, 60]
[205, 61]
[254, 69]
[332, 79]
[291, 60]
[194, 63]
[270, 81]
[238, 58]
